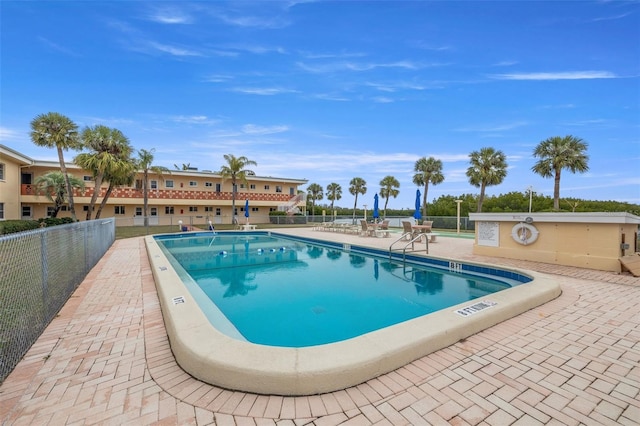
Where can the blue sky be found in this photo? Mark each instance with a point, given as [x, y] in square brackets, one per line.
[329, 91]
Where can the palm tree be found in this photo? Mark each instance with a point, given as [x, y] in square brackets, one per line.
[54, 130]
[124, 175]
[488, 167]
[334, 192]
[53, 185]
[429, 170]
[109, 149]
[557, 153]
[357, 186]
[235, 170]
[314, 191]
[145, 160]
[389, 188]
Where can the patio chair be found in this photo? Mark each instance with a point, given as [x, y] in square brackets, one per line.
[407, 230]
[369, 231]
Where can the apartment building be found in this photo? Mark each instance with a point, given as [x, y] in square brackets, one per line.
[188, 196]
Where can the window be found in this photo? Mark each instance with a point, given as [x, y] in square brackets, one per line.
[193, 208]
[168, 210]
[242, 186]
[255, 209]
[291, 191]
[1, 171]
[153, 184]
[86, 178]
[218, 211]
[252, 186]
[208, 208]
[64, 208]
[266, 187]
[138, 211]
[218, 187]
[193, 183]
[1, 210]
[208, 184]
[138, 184]
[85, 208]
[154, 211]
[118, 209]
[278, 188]
[168, 183]
[26, 211]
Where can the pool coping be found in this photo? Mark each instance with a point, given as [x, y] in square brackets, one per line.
[215, 358]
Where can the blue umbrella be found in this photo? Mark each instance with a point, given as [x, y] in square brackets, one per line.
[246, 209]
[417, 215]
[376, 213]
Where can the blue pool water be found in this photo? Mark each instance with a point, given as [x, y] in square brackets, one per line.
[281, 291]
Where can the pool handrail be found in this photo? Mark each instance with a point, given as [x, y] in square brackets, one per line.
[412, 243]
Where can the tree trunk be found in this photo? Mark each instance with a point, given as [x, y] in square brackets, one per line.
[424, 200]
[94, 197]
[354, 209]
[104, 200]
[63, 169]
[556, 190]
[145, 195]
[481, 199]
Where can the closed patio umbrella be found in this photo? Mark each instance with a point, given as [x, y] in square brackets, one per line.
[376, 213]
[246, 209]
[417, 215]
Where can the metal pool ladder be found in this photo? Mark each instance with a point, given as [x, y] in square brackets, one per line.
[414, 238]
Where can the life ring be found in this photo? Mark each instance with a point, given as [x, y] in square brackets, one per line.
[524, 233]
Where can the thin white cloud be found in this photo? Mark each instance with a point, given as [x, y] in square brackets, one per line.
[112, 121]
[262, 91]
[505, 63]
[331, 97]
[359, 67]
[218, 78]
[561, 106]
[174, 50]
[568, 75]
[610, 18]
[310, 55]
[194, 119]
[252, 21]
[593, 122]
[170, 15]
[255, 48]
[382, 100]
[495, 128]
[253, 129]
[7, 134]
[58, 48]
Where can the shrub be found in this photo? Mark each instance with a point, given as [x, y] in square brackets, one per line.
[54, 221]
[13, 226]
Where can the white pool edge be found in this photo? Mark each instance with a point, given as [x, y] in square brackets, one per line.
[217, 359]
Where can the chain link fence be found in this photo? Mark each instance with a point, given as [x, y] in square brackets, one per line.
[38, 272]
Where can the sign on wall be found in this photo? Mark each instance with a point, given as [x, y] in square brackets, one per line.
[488, 234]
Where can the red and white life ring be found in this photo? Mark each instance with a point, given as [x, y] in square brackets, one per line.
[524, 233]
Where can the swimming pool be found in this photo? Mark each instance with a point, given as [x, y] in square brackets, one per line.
[209, 352]
[285, 292]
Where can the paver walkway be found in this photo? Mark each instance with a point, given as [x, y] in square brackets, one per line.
[106, 360]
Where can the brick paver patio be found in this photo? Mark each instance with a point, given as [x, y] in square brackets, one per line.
[106, 360]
